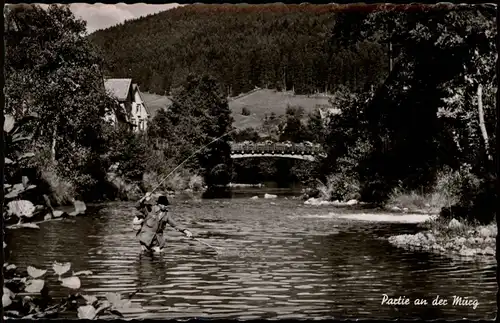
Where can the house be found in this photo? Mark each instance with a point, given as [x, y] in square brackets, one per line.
[131, 108]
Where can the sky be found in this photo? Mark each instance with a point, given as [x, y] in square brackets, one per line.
[100, 16]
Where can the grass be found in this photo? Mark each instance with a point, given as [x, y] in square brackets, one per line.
[339, 187]
[412, 200]
[266, 101]
[155, 102]
[440, 226]
[62, 191]
[259, 103]
[446, 192]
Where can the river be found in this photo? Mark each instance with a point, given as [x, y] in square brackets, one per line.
[282, 259]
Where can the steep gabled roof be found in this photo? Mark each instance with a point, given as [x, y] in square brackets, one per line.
[119, 88]
[135, 87]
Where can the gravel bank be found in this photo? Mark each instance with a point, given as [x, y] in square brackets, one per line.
[456, 239]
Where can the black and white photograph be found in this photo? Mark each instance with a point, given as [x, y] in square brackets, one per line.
[249, 161]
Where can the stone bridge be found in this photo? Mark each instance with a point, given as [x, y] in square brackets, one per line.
[281, 150]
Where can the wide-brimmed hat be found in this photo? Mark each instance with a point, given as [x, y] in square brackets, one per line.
[163, 200]
[157, 199]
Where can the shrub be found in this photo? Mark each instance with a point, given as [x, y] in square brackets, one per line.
[196, 183]
[245, 111]
[340, 187]
[61, 190]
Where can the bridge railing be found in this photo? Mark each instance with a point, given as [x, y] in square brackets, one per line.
[275, 148]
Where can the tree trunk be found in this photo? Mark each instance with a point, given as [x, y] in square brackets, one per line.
[482, 124]
[54, 142]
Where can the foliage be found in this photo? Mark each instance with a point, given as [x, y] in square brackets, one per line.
[292, 129]
[247, 134]
[200, 114]
[128, 150]
[53, 71]
[428, 113]
[26, 295]
[288, 48]
[15, 136]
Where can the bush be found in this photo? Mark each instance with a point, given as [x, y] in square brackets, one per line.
[61, 190]
[339, 187]
[196, 183]
[245, 111]
[180, 180]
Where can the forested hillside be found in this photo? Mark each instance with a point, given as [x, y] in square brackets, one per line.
[275, 46]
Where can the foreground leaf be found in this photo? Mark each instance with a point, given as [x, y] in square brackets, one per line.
[13, 314]
[26, 155]
[25, 181]
[24, 225]
[8, 161]
[58, 214]
[116, 312]
[90, 299]
[71, 282]
[8, 124]
[117, 302]
[34, 286]
[18, 137]
[105, 305]
[87, 312]
[80, 207]
[35, 272]
[21, 208]
[7, 292]
[10, 267]
[61, 268]
[6, 301]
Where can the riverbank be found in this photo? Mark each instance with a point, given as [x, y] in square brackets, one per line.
[451, 238]
[447, 237]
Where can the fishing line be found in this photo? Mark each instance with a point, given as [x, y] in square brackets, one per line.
[223, 252]
[193, 154]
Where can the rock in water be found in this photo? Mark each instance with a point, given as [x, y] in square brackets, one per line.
[352, 202]
[254, 197]
[270, 196]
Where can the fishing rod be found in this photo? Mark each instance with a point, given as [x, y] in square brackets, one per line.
[207, 244]
[185, 160]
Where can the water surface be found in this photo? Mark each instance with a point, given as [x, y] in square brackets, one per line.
[283, 260]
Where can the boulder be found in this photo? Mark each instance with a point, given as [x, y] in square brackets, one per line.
[352, 202]
[270, 196]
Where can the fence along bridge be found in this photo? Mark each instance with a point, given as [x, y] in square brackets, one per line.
[282, 150]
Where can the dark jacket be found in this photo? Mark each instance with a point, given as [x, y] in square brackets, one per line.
[155, 221]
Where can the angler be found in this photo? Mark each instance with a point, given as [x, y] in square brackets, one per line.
[152, 222]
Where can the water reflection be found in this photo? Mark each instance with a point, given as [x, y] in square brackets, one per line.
[286, 264]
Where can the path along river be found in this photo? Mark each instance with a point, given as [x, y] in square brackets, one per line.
[293, 261]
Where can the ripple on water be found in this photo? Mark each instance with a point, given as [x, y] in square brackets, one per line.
[282, 267]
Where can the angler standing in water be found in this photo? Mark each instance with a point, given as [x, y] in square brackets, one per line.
[152, 222]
